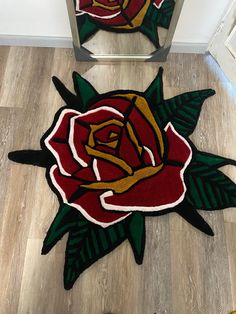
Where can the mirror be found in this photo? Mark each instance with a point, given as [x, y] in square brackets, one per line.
[112, 30]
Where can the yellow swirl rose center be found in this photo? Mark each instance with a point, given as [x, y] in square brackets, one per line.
[112, 5]
[124, 184]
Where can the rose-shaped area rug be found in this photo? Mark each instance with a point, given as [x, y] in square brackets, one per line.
[123, 16]
[115, 158]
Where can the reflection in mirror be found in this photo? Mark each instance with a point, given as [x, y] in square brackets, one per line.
[121, 27]
[109, 43]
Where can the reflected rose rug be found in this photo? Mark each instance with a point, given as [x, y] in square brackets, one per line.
[127, 16]
[115, 158]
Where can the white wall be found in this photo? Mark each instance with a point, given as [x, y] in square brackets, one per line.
[223, 56]
[199, 20]
[34, 18]
[197, 23]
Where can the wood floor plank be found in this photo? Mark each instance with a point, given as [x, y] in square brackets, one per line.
[24, 71]
[198, 285]
[4, 51]
[183, 271]
[231, 246]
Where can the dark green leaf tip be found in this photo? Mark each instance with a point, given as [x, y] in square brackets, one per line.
[207, 92]
[136, 236]
[211, 232]
[212, 160]
[154, 93]
[84, 90]
[149, 30]
[70, 99]
[190, 214]
[211, 92]
[45, 250]
[38, 158]
[160, 71]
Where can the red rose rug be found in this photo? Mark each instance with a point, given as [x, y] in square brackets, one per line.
[123, 16]
[115, 158]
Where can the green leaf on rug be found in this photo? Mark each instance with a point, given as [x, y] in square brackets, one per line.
[86, 245]
[154, 93]
[182, 111]
[84, 90]
[136, 235]
[66, 219]
[212, 160]
[208, 188]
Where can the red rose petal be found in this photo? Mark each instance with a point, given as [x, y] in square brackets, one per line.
[78, 138]
[178, 148]
[105, 149]
[129, 12]
[121, 104]
[88, 203]
[158, 3]
[158, 192]
[108, 172]
[85, 174]
[101, 13]
[80, 130]
[103, 135]
[148, 157]
[94, 211]
[164, 190]
[145, 132]
[57, 143]
[109, 3]
[66, 186]
[83, 3]
[128, 151]
[99, 115]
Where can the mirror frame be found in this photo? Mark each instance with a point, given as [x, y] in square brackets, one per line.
[159, 55]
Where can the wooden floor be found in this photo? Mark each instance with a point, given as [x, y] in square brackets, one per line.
[183, 272]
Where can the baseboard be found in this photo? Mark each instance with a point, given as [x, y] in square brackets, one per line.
[199, 48]
[66, 42]
[36, 41]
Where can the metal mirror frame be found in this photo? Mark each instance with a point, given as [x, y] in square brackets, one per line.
[159, 55]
